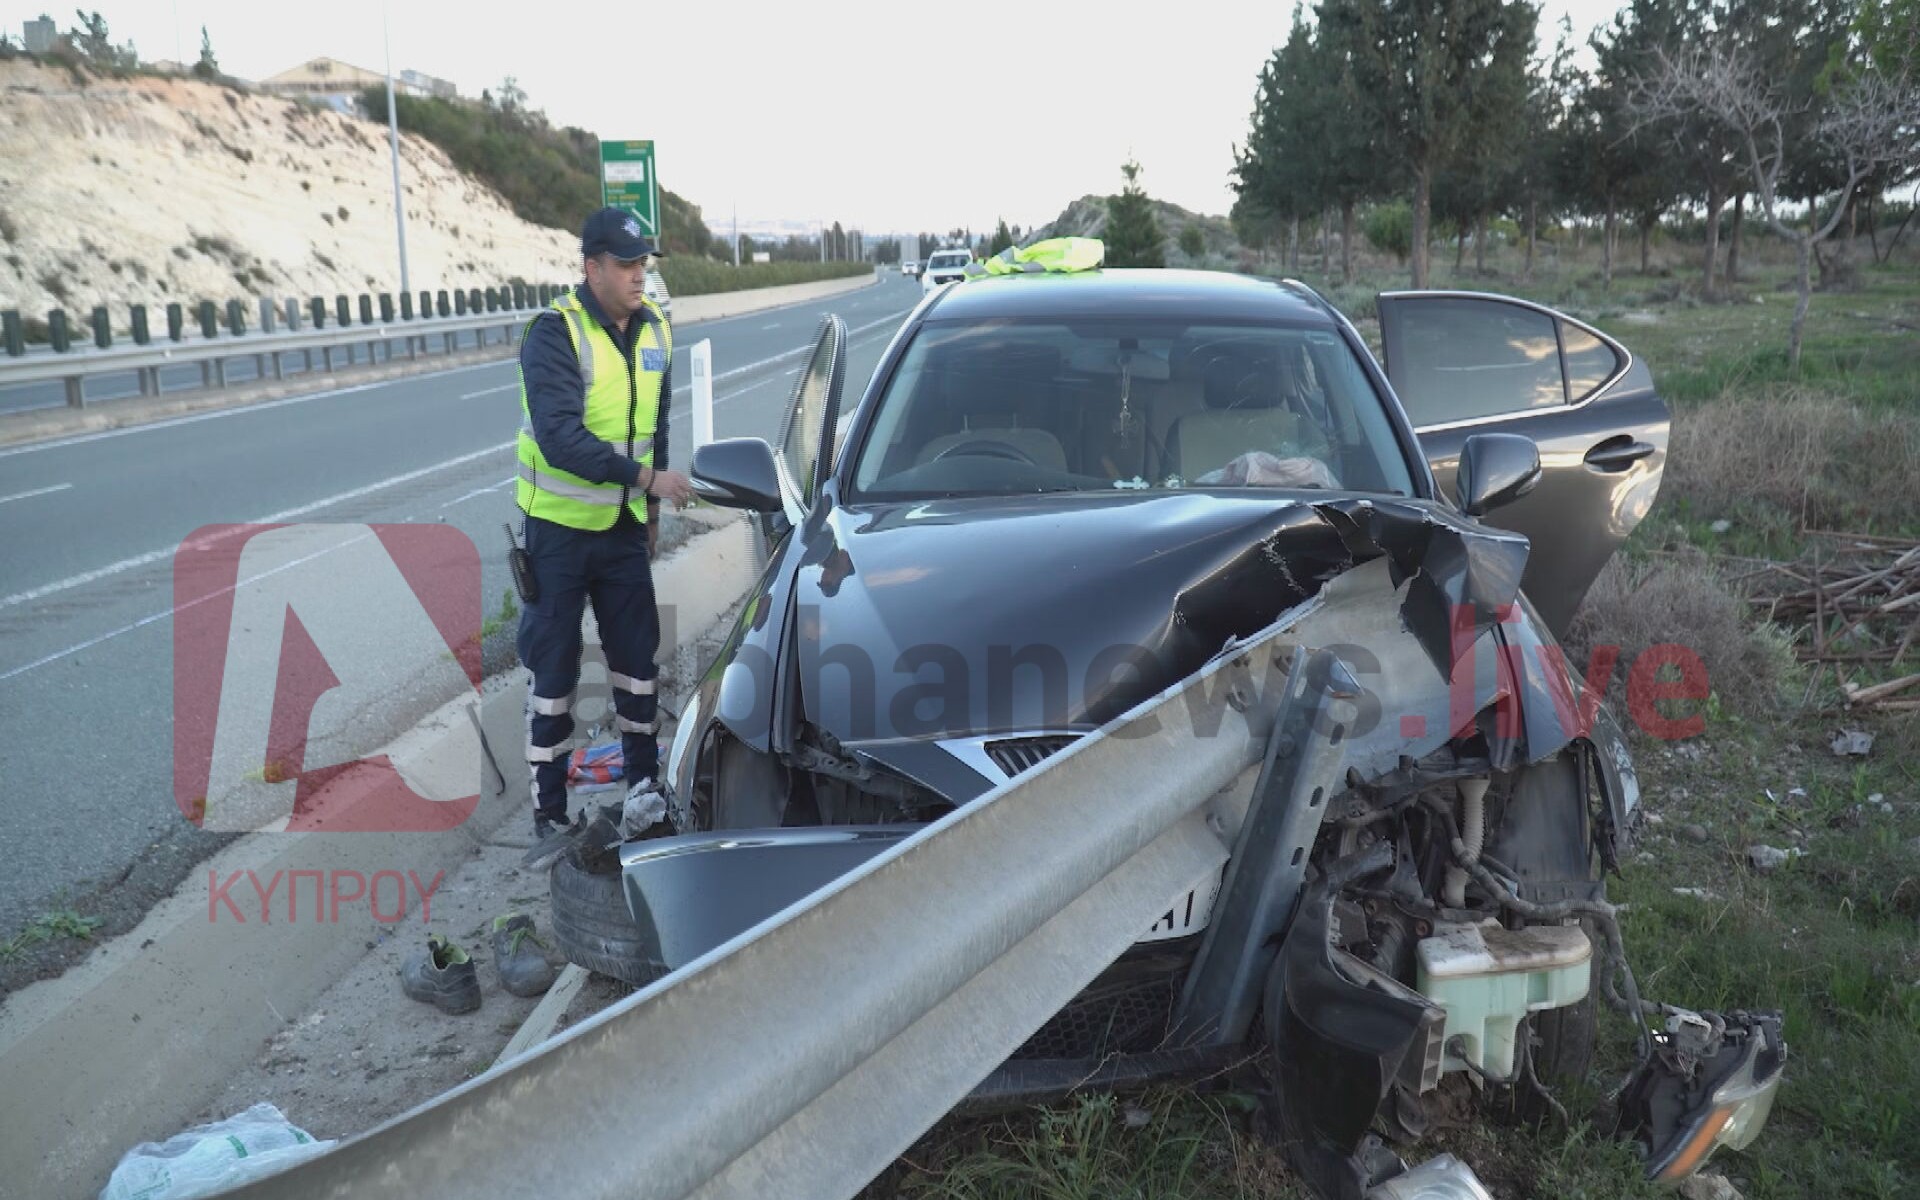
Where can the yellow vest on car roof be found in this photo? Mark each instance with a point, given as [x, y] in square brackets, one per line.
[622, 409]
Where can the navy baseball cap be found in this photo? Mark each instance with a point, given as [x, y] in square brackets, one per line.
[617, 232]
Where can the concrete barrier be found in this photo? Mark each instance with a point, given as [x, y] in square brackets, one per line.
[131, 1044]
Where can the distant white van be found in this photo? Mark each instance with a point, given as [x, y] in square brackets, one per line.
[945, 266]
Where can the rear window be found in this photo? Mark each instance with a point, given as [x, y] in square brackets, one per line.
[948, 260]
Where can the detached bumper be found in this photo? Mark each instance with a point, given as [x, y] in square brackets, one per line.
[695, 892]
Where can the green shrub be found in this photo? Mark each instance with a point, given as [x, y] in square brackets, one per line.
[692, 276]
[1390, 228]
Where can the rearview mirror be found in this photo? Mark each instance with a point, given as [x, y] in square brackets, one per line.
[1495, 470]
[737, 473]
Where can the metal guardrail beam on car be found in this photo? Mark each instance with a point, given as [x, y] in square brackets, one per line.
[214, 353]
[801, 1058]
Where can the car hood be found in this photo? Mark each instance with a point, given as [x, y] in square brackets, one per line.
[970, 617]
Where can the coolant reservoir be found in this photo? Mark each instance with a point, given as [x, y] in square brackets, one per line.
[1489, 978]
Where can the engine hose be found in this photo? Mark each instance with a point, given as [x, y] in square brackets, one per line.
[1473, 823]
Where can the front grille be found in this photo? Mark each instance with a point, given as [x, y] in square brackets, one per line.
[1123, 1017]
[1014, 755]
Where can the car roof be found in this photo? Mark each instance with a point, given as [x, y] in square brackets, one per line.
[1191, 295]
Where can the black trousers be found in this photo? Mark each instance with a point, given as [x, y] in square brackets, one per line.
[611, 570]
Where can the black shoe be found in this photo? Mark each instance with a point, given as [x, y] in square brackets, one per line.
[441, 974]
[551, 838]
[518, 955]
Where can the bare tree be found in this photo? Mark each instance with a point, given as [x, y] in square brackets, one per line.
[1869, 121]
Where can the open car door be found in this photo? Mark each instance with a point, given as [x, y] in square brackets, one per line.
[1465, 362]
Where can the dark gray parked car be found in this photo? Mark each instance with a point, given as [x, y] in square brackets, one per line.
[1060, 495]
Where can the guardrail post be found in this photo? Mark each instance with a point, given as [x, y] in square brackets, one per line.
[366, 309]
[58, 335]
[209, 320]
[519, 295]
[426, 305]
[343, 310]
[406, 306]
[459, 304]
[142, 335]
[269, 315]
[102, 327]
[386, 308]
[14, 332]
[76, 391]
[318, 308]
[236, 318]
[473, 299]
[443, 306]
[176, 323]
[293, 315]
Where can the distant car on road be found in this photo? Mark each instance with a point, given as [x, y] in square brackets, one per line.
[946, 266]
[910, 267]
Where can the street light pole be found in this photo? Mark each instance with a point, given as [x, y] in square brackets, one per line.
[393, 140]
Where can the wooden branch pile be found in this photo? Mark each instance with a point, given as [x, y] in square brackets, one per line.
[1858, 599]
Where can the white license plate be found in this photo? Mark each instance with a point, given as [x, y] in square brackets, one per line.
[1188, 914]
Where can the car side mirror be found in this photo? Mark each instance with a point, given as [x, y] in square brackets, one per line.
[737, 473]
[1495, 470]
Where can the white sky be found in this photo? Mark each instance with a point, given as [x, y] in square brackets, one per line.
[883, 116]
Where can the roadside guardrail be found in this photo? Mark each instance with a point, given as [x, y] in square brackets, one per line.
[218, 337]
[802, 1057]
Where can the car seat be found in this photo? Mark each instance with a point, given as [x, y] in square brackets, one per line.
[1245, 395]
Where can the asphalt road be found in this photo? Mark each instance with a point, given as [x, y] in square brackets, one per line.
[89, 526]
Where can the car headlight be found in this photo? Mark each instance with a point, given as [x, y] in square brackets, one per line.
[682, 738]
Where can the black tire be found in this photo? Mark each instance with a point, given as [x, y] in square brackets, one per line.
[593, 927]
[1546, 835]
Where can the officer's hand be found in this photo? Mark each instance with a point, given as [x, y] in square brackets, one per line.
[671, 485]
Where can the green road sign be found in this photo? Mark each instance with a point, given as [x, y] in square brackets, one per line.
[627, 181]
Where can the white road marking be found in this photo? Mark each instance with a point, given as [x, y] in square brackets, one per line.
[505, 387]
[153, 556]
[481, 491]
[58, 487]
[57, 655]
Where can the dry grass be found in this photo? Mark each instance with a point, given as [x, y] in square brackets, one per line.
[1682, 600]
[1838, 464]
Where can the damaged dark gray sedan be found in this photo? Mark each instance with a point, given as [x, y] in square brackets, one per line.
[1062, 494]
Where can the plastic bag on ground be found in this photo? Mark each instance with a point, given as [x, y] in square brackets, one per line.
[212, 1158]
[595, 769]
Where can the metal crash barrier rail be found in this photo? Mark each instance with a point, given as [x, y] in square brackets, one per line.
[213, 353]
[802, 1057]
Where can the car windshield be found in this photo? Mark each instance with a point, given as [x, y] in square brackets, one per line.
[1009, 407]
[948, 260]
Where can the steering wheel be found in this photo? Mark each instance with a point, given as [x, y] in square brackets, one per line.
[987, 448]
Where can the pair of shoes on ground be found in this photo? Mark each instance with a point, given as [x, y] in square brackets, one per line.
[443, 975]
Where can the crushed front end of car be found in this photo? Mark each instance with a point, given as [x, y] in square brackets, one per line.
[1412, 923]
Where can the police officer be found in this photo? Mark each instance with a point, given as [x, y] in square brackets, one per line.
[595, 387]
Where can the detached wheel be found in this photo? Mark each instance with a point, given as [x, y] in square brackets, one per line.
[593, 927]
[1546, 835]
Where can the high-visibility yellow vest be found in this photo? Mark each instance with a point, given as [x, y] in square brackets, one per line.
[1064, 255]
[622, 409]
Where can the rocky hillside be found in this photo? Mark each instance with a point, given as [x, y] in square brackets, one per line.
[1087, 217]
[151, 190]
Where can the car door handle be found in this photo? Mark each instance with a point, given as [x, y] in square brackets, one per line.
[1617, 454]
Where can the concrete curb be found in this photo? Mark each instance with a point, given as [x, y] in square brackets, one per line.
[47, 423]
[130, 1044]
